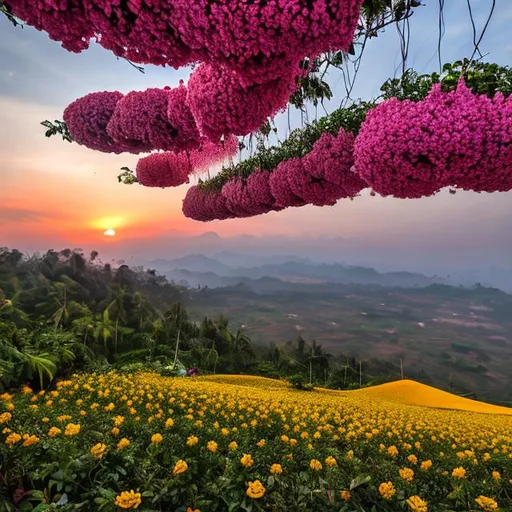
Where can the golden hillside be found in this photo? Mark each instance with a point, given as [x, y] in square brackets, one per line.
[409, 392]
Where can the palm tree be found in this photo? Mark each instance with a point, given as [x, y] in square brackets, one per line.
[240, 349]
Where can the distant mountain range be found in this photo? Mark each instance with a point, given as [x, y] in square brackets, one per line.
[199, 270]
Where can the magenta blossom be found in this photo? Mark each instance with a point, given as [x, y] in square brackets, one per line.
[211, 153]
[257, 38]
[87, 119]
[222, 105]
[180, 117]
[280, 186]
[332, 159]
[258, 188]
[456, 138]
[164, 170]
[140, 121]
[239, 201]
[205, 206]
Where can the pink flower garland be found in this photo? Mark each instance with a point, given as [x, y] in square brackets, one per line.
[205, 206]
[222, 104]
[280, 187]
[180, 116]
[239, 200]
[173, 169]
[87, 119]
[140, 121]
[164, 170]
[248, 36]
[411, 150]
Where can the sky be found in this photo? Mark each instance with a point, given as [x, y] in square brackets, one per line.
[56, 194]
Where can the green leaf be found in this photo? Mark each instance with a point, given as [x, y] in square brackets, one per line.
[360, 480]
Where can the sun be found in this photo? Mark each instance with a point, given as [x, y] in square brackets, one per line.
[110, 232]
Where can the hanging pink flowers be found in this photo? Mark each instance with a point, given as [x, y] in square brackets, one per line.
[222, 105]
[64, 21]
[211, 153]
[205, 206]
[172, 169]
[87, 119]
[140, 121]
[411, 150]
[258, 188]
[180, 117]
[164, 170]
[246, 36]
[280, 187]
[332, 159]
[239, 200]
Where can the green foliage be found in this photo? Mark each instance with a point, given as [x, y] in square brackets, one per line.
[480, 77]
[299, 382]
[6, 11]
[57, 128]
[127, 176]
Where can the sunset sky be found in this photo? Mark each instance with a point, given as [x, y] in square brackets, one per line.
[55, 194]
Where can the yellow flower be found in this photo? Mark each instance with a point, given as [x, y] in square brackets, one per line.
[255, 490]
[412, 459]
[393, 451]
[233, 445]
[30, 440]
[260, 443]
[345, 495]
[293, 442]
[459, 473]
[156, 438]
[276, 469]
[486, 504]
[315, 465]
[212, 446]
[350, 454]
[98, 450]
[496, 475]
[6, 397]
[426, 465]
[192, 440]
[180, 467]
[416, 504]
[247, 461]
[27, 390]
[169, 423]
[407, 474]
[128, 499]
[387, 490]
[45, 420]
[115, 431]
[486, 456]
[331, 462]
[118, 421]
[5, 417]
[72, 429]
[12, 439]
[123, 443]
[192, 510]
[54, 432]
[285, 438]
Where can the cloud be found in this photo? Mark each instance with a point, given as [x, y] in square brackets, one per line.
[15, 215]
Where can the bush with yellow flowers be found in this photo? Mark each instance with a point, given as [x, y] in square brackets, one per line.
[111, 442]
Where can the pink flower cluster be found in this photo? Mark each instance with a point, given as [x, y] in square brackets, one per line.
[246, 35]
[87, 119]
[173, 169]
[205, 206]
[141, 121]
[222, 104]
[410, 150]
[294, 182]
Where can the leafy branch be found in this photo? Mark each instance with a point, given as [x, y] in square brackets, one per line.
[57, 128]
[127, 177]
[6, 11]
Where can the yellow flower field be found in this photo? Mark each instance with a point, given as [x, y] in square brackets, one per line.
[228, 443]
